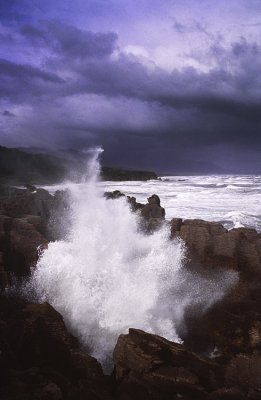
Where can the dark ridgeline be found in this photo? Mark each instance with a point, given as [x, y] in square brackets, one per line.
[19, 167]
[116, 174]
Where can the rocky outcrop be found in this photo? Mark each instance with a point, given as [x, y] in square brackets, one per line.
[152, 214]
[20, 243]
[153, 208]
[116, 194]
[231, 328]
[154, 368]
[150, 367]
[29, 218]
[210, 244]
[41, 360]
[17, 203]
[220, 355]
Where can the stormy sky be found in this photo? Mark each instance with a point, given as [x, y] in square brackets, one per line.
[171, 85]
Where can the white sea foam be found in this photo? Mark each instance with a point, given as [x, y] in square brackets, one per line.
[107, 276]
[212, 198]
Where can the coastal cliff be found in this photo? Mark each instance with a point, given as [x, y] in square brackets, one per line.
[19, 167]
[220, 355]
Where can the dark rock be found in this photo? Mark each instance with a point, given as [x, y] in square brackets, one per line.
[244, 371]
[41, 360]
[19, 202]
[153, 209]
[210, 244]
[20, 243]
[116, 194]
[31, 188]
[153, 214]
[231, 326]
[27, 222]
[175, 226]
[135, 206]
[154, 368]
[227, 394]
[51, 392]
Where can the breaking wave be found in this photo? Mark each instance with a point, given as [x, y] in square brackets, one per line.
[107, 276]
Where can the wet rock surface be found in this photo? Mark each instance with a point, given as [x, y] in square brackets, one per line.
[29, 219]
[220, 355]
[152, 214]
[150, 367]
[209, 243]
[155, 368]
[39, 359]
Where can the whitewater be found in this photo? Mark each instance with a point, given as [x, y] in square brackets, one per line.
[232, 200]
[106, 275]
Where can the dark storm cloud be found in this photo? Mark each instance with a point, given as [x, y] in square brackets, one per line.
[7, 113]
[36, 36]
[195, 26]
[218, 91]
[20, 83]
[69, 42]
[144, 111]
[10, 69]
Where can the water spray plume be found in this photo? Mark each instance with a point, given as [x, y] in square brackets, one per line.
[107, 276]
[92, 166]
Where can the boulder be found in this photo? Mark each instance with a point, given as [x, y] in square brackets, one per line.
[116, 194]
[153, 209]
[150, 367]
[152, 214]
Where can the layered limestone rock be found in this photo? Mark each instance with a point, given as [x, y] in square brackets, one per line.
[150, 367]
[209, 243]
[28, 220]
[220, 355]
[154, 368]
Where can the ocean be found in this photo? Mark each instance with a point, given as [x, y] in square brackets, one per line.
[233, 200]
[106, 275]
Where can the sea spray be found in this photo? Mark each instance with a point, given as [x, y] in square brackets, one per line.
[107, 276]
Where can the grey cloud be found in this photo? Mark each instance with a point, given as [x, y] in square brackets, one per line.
[69, 41]
[188, 109]
[194, 26]
[19, 82]
[253, 25]
[180, 28]
[7, 113]
[34, 35]
[186, 89]
[243, 48]
[74, 42]
[11, 69]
